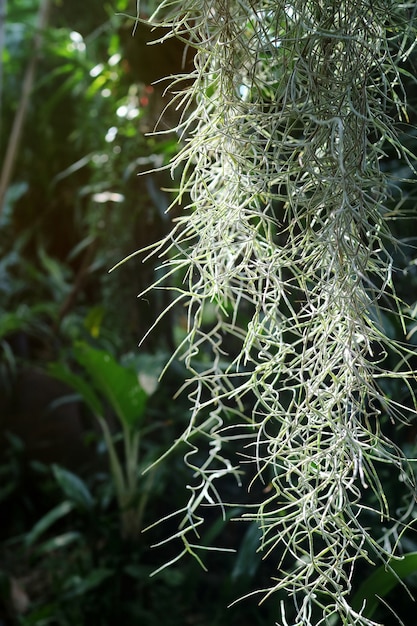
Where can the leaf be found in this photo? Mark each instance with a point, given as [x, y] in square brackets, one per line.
[382, 581]
[48, 520]
[55, 271]
[13, 194]
[11, 322]
[85, 389]
[118, 384]
[78, 586]
[149, 368]
[74, 488]
[248, 557]
[60, 541]
[94, 320]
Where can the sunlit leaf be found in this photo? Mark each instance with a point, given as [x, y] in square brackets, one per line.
[118, 384]
[84, 388]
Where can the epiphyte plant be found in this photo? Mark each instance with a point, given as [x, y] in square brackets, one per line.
[285, 240]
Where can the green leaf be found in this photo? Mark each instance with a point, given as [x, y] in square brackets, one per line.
[382, 581]
[94, 320]
[10, 322]
[54, 269]
[48, 520]
[118, 384]
[248, 557]
[58, 542]
[78, 586]
[74, 488]
[84, 388]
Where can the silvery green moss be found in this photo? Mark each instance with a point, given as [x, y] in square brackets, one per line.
[284, 242]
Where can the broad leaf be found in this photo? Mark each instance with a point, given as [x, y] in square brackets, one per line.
[74, 488]
[84, 388]
[118, 384]
[48, 520]
[382, 581]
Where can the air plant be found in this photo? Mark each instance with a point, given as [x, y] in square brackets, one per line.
[285, 126]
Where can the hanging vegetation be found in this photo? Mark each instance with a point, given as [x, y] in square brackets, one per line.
[285, 240]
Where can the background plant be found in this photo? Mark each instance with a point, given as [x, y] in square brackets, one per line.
[74, 185]
[75, 179]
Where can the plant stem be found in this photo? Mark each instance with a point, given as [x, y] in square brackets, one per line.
[19, 120]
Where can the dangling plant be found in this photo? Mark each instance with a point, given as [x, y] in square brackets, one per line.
[285, 237]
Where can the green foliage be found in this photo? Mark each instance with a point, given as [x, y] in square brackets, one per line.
[73, 487]
[75, 182]
[121, 388]
[74, 207]
[120, 385]
[84, 546]
[381, 581]
[79, 551]
[62, 509]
